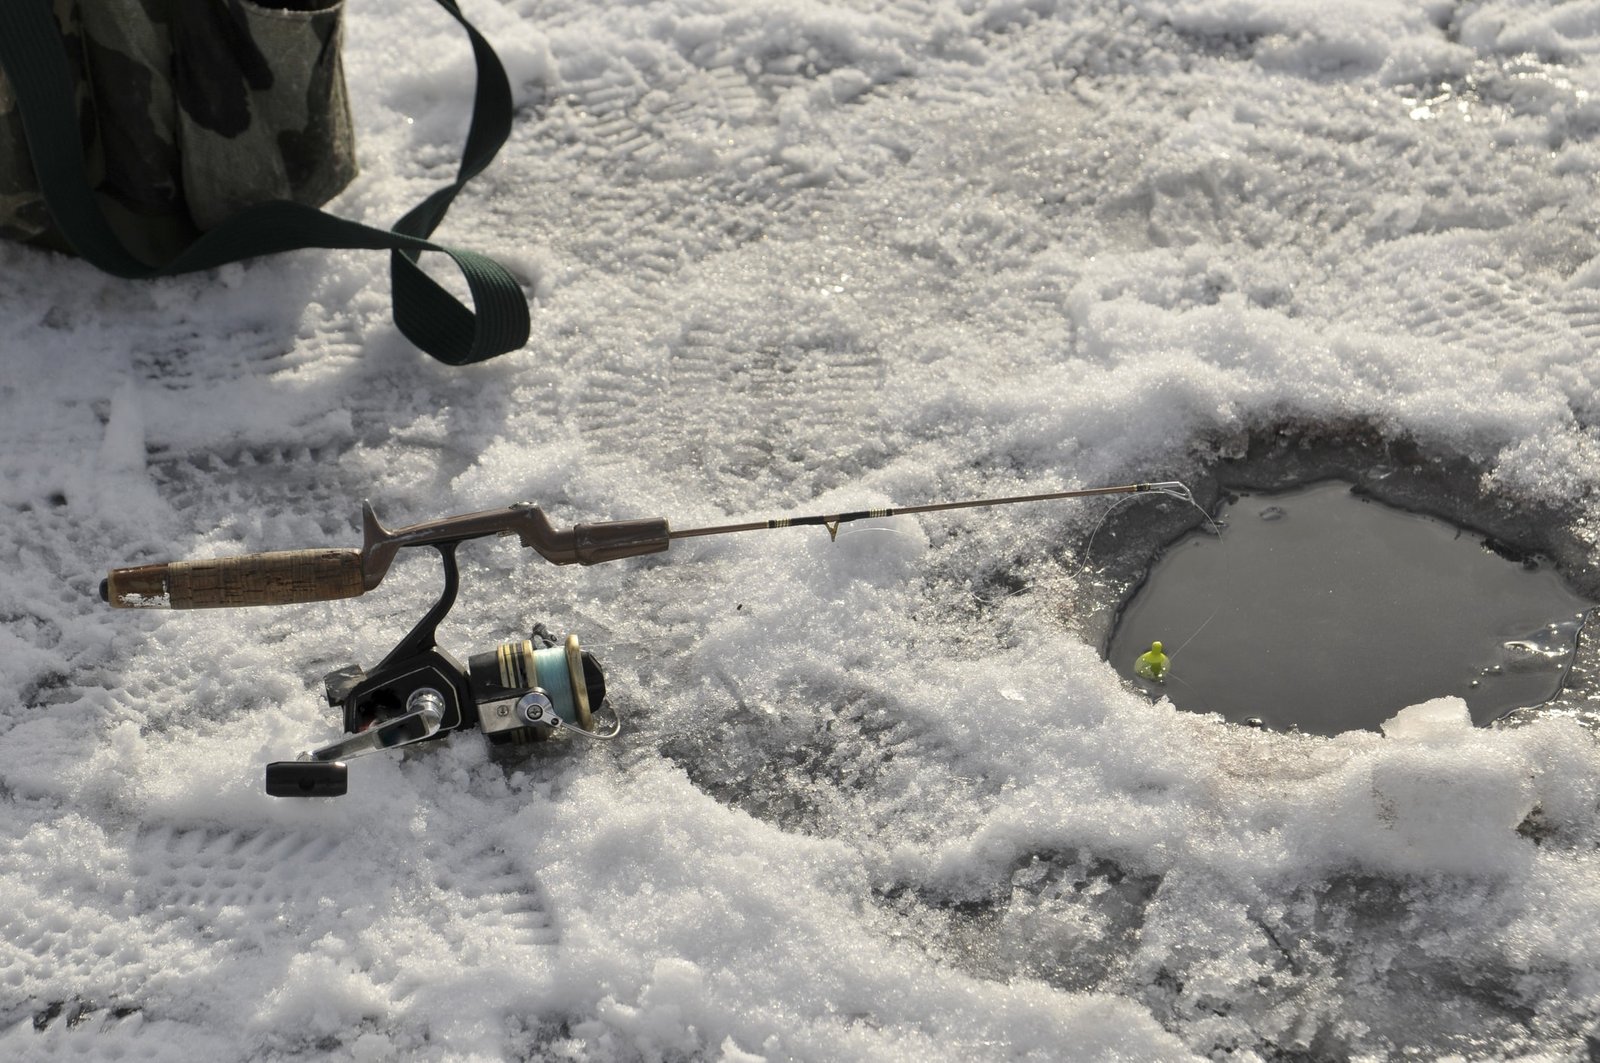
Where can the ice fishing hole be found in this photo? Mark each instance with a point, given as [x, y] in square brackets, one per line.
[1325, 611]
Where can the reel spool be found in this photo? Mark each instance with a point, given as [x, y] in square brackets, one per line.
[561, 680]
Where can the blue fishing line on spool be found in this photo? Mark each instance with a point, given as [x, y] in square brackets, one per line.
[550, 671]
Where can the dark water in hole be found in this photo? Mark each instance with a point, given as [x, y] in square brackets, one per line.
[1332, 612]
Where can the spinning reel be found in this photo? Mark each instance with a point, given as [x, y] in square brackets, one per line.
[519, 693]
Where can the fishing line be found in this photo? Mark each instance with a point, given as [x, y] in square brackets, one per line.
[1205, 706]
[1088, 546]
[1157, 665]
[1216, 529]
[1182, 493]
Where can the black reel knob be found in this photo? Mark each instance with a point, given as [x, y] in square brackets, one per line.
[308, 778]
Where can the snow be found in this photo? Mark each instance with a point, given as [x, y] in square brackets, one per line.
[876, 799]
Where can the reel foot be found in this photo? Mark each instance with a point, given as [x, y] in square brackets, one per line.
[307, 778]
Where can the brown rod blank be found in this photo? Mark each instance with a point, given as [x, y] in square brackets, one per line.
[831, 521]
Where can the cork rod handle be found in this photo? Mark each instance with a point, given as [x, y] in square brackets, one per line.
[285, 577]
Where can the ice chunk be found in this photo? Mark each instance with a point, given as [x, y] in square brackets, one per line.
[1450, 797]
[1440, 720]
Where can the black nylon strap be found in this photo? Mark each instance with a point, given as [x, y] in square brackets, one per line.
[33, 57]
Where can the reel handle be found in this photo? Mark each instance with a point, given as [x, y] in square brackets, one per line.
[283, 577]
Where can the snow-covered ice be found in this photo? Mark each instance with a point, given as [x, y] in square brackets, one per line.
[877, 799]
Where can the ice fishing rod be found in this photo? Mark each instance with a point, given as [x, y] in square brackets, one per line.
[289, 577]
[521, 691]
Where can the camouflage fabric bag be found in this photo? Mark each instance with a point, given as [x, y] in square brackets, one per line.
[189, 112]
[155, 137]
